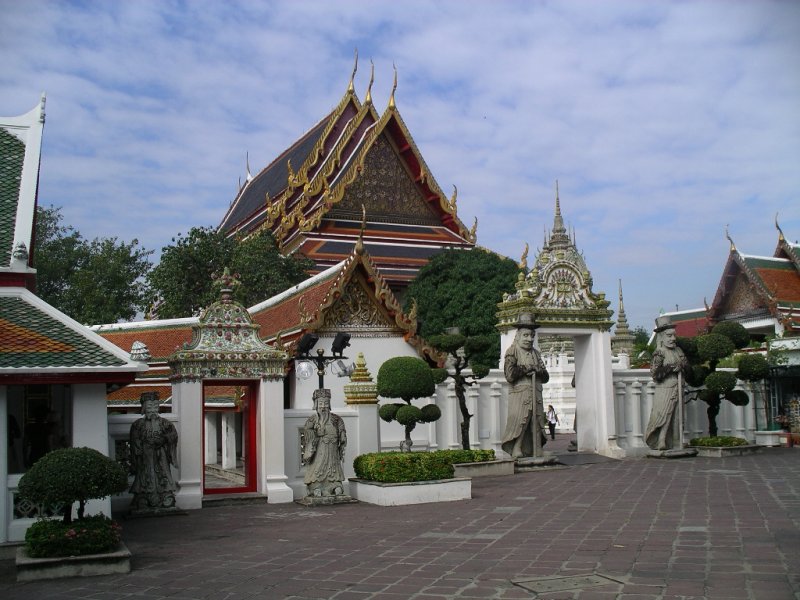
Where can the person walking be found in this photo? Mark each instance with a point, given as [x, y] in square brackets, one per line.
[552, 420]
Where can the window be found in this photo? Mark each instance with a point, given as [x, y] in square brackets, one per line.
[39, 420]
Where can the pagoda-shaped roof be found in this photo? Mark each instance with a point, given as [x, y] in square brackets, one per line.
[557, 291]
[310, 197]
[755, 289]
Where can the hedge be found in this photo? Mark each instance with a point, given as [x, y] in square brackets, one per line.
[401, 467]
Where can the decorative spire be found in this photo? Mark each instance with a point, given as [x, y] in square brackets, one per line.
[368, 98]
[523, 262]
[559, 236]
[249, 177]
[351, 89]
[360, 241]
[780, 231]
[473, 232]
[227, 282]
[623, 339]
[452, 202]
[728, 235]
[394, 88]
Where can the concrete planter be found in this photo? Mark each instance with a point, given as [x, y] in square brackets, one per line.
[109, 563]
[413, 492]
[768, 438]
[487, 468]
[721, 452]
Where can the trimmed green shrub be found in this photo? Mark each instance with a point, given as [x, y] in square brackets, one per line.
[90, 535]
[738, 397]
[720, 382]
[430, 413]
[409, 415]
[735, 332]
[70, 475]
[712, 347]
[388, 412]
[401, 467]
[718, 441]
[752, 367]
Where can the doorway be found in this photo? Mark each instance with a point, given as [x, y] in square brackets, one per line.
[229, 437]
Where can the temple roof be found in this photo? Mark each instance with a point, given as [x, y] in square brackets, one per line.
[310, 197]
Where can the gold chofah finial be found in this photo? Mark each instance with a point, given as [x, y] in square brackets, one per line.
[728, 235]
[290, 172]
[360, 241]
[473, 233]
[452, 202]
[523, 262]
[780, 231]
[368, 98]
[394, 88]
[705, 303]
[412, 313]
[351, 87]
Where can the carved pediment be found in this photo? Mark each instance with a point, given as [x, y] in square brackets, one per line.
[357, 311]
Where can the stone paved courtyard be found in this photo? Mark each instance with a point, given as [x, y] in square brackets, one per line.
[639, 529]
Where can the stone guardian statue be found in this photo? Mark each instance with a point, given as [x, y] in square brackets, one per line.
[668, 370]
[324, 442]
[526, 373]
[154, 449]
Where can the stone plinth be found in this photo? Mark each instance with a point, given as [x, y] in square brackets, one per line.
[487, 468]
[413, 492]
[722, 451]
[109, 563]
[676, 453]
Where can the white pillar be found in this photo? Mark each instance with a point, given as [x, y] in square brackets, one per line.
[187, 402]
[496, 422]
[228, 440]
[271, 469]
[90, 429]
[211, 419]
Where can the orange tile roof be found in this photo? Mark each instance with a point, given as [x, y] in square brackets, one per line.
[160, 341]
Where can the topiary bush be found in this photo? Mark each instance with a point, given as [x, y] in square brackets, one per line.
[402, 467]
[406, 377]
[90, 535]
[70, 475]
[735, 332]
[718, 441]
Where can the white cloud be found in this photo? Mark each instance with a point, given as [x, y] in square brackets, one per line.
[663, 122]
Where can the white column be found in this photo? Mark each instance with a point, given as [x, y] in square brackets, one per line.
[90, 429]
[271, 468]
[636, 415]
[622, 413]
[228, 440]
[187, 402]
[472, 407]
[211, 419]
[497, 422]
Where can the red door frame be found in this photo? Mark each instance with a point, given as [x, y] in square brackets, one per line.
[249, 412]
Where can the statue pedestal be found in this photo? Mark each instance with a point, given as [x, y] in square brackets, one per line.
[326, 500]
[676, 453]
[533, 463]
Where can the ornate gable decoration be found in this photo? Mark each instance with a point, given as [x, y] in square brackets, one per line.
[225, 345]
[558, 290]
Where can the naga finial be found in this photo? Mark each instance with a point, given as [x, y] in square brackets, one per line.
[394, 88]
[368, 98]
[351, 87]
[523, 262]
[473, 232]
[728, 235]
[778, 227]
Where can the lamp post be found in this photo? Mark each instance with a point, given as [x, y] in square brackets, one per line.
[307, 343]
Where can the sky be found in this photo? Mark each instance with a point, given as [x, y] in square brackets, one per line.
[664, 123]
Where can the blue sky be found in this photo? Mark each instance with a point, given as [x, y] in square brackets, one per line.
[664, 122]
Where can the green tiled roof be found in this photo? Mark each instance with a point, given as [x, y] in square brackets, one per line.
[757, 262]
[30, 338]
[12, 155]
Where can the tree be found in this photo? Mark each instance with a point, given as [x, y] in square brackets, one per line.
[407, 377]
[461, 288]
[101, 281]
[462, 352]
[704, 354]
[183, 281]
[71, 475]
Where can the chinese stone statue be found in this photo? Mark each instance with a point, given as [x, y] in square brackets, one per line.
[154, 448]
[325, 440]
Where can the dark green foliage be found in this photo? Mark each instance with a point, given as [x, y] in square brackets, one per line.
[388, 412]
[408, 416]
[92, 535]
[101, 281]
[405, 377]
[711, 347]
[463, 352]
[401, 467]
[720, 382]
[738, 397]
[689, 347]
[718, 441]
[430, 413]
[752, 367]
[184, 279]
[735, 332]
[439, 375]
[459, 288]
[72, 475]
[697, 375]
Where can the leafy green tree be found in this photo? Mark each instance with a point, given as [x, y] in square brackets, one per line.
[462, 352]
[408, 378]
[704, 354]
[101, 281]
[461, 288]
[642, 352]
[183, 282]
